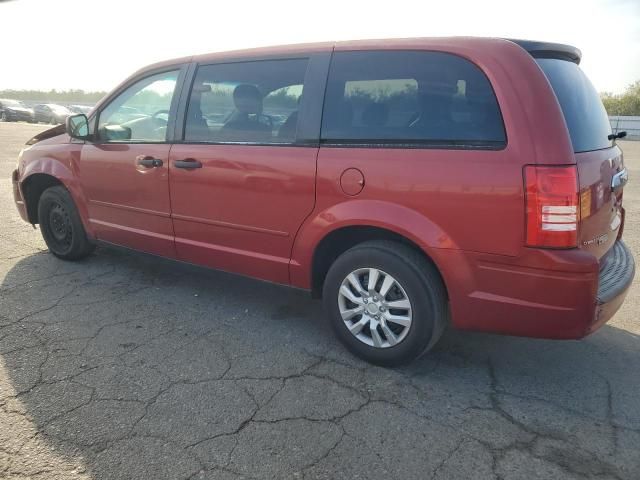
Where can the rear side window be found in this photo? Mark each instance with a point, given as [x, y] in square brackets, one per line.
[583, 111]
[246, 102]
[410, 97]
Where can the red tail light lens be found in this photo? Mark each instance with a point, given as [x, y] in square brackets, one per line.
[551, 195]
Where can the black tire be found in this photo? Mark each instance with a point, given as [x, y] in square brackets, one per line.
[421, 283]
[61, 226]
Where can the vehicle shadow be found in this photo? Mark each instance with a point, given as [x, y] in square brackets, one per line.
[130, 366]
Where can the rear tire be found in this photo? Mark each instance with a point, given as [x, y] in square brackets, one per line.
[396, 322]
[61, 226]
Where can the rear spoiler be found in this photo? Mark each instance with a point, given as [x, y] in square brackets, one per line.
[550, 50]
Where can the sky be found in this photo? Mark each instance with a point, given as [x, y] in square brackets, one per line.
[95, 44]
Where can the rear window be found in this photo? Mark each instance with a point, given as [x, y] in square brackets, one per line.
[402, 97]
[583, 111]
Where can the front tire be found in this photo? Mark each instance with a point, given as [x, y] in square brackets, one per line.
[386, 302]
[61, 226]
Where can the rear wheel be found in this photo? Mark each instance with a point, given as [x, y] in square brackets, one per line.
[385, 302]
[61, 226]
[3, 117]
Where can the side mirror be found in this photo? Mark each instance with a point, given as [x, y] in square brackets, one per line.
[77, 126]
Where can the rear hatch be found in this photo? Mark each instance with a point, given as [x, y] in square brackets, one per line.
[601, 171]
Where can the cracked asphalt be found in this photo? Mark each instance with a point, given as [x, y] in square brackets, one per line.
[128, 366]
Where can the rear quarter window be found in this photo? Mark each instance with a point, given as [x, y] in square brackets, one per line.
[401, 97]
[583, 111]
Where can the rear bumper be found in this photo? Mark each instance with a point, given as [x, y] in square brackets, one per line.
[17, 196]
[563, 294]
[14, 116]
[617, 270]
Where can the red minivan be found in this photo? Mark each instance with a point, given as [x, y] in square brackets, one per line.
[409, 183]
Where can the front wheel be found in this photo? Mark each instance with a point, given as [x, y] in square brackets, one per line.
[385, 302]
[61, 226]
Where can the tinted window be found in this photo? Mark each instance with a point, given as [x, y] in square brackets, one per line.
[405, 97]
[584, 113]
[253, 102]
[141, 112]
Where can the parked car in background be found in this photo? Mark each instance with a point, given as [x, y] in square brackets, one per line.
[415, 183]
[50, 113]
[79, 108]
[14, 111]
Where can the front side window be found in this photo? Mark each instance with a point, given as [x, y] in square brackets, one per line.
[141, 112]
[410, 97]
[248, 102]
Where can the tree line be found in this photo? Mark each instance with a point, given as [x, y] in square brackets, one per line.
[53, 95]
[626, 103]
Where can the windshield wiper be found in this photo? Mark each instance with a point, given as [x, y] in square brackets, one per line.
[615, 136]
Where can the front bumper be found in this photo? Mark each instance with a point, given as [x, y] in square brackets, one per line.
[14, 116]
[17, 196]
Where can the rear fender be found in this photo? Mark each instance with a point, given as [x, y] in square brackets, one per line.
[371, 213]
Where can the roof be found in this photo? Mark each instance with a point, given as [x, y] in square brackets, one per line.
[535, 48]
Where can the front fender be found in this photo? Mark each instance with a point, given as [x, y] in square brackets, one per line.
[372, 213]
[59, 165]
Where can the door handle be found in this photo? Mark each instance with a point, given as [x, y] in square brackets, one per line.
[187, 163]
[149, 162]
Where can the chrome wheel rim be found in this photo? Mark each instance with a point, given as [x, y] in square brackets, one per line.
[375, 307]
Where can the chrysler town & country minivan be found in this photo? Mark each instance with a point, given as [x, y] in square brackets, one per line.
[411, 184]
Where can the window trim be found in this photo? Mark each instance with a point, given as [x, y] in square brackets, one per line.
[417, 143]
[309, 112]
[94, 119]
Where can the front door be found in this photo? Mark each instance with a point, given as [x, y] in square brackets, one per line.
[240, 184]
[124, 173]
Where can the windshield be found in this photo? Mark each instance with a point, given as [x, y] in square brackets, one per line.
[13, 103]
[583, 111]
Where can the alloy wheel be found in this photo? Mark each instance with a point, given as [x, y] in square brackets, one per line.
[375, 307]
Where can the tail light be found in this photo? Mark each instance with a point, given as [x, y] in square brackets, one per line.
[553, 214]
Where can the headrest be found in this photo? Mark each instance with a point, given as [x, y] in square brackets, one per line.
[202, 88]
[247, 99]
